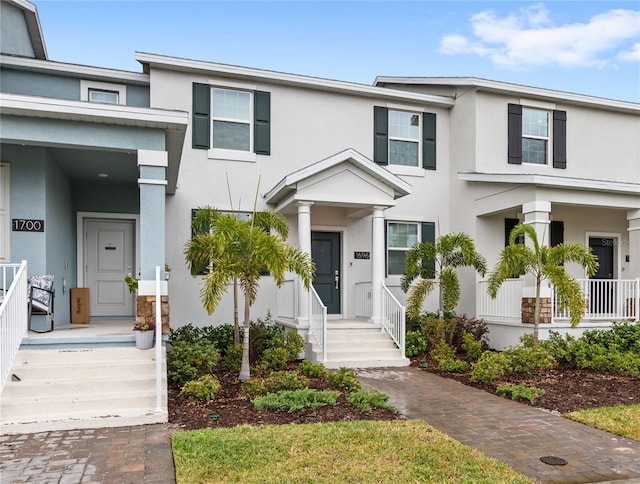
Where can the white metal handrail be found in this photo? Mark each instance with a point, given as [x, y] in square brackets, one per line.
[508, 301]
[606, 299]
[287, 299]
[13, 315]
[363, 299]
[318, 321]
[393, 317]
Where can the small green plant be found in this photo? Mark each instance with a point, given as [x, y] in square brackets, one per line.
[443, 351]
[453, 366]
[415, 344]
[296, 400]
[489, 367]
[344, 380]
[132, 283]
[520, 392]
[294, 344]
[525, 361]
[273, 359]
[472, 347]
[187, 333]
[144, 326]
[188, 361]
[366, 400]
[233, 358]
[204, 388]
[312, 370]
[221, 336]
[277, 381]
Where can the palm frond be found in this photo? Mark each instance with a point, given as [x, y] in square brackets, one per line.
[416, 297]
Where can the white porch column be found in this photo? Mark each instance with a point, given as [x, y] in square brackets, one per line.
[304, 241]
[536, 214]
[377, 263]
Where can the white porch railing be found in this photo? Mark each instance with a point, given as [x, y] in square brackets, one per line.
[318, 321]
[507, 304]
[393, 317]
[13, 315]
[606, 299]
[288, 299]
[363, 300]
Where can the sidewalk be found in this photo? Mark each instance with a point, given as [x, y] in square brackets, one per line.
[509, 431]
[135, 455]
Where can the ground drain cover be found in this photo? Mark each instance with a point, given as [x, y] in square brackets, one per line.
[552, 460]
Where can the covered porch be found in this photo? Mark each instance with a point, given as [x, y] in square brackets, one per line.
[337, 208]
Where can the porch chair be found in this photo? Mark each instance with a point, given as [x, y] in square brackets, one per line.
[41, 294]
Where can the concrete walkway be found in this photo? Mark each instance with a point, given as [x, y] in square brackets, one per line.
[509, 431]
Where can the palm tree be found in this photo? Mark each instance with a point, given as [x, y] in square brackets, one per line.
[244, 249]
[544, 263]
[434, 265]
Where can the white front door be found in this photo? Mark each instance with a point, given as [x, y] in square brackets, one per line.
[109, 257]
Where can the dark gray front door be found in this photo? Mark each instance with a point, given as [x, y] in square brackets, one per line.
[325, 251]
[602, 296]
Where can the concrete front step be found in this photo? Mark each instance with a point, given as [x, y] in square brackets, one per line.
[63, 389]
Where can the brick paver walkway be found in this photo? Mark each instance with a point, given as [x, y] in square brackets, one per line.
[509, 431]
[120, 455]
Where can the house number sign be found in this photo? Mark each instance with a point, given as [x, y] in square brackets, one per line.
[361, 255]
[27, 225]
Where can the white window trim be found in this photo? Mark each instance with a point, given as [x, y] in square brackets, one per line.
[226, 154]
[121, 89]
[411, 140]
[548, 138]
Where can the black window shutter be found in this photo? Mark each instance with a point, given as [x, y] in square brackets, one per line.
[429, 141]
[515, 134]
[201, 115]
[428, 235]
[381, 135]
[196, 271]
[386, 249]
[262, 122]
[559, 139]
[557, 233]
[509, 225]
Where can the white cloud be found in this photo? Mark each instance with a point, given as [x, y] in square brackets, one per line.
[529, 38]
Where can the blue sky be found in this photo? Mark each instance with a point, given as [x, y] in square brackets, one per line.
[588, 47]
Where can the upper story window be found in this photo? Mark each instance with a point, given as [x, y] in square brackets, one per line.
[103, 92]
[537, 135]
[231, 118]
[102, 96]
[404, 138]
[231, 123]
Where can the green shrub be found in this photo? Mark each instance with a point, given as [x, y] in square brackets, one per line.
[263, 335]
[520, 392]
[188, 333]
[366, 400]
[204, 388]
[624, 335]
[344, 380]
[296, 400]
[443, 351]
[277, 381]
[312, 370]
[273, 359]
[233, 359]
[562, 349]
[597, 357]
[472, 347]
[415, 344]
[490, 366]
[189, 360]
[220, 336]
[525, 361]
[452, 329]
[451, 365]
[294, 344]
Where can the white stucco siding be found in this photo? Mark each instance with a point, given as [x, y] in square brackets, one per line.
[307, 126]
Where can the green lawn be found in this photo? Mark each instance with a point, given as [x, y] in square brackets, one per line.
[342, 452]
[622, 419]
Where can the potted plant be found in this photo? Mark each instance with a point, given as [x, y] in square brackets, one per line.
[144, 332]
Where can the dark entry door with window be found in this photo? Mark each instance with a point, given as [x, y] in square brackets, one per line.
[602, 295]
[325, 251]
